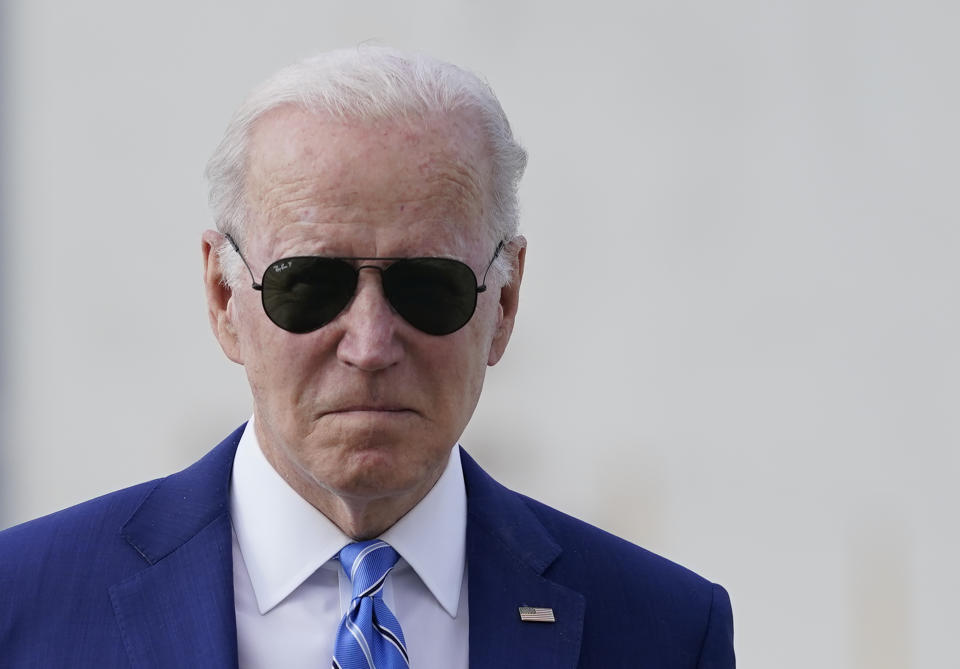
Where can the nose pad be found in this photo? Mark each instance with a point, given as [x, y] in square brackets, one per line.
[369, 322]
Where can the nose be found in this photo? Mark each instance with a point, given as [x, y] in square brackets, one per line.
[369, 340]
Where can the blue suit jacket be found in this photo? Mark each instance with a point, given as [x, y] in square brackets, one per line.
[144, 578]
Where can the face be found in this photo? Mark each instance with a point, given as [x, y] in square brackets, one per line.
[367, 407]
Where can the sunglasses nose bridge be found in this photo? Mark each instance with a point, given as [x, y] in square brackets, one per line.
[359, 285]
[369, 323]
[367, 302]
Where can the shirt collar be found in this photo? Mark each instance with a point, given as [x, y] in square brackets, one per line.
[284, 539]
[432, 536]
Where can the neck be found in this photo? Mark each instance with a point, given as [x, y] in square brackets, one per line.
[360, 519]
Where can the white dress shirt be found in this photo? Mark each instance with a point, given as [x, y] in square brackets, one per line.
[290, 593]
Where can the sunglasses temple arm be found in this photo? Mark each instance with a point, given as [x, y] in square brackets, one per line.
[255, 286]
[483, 285]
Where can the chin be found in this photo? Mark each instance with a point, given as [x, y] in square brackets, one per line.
[372, 471]
[374, 482]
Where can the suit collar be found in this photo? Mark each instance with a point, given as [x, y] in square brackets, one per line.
[503, 514]
[179, 610]
[509, 552]
[183, 504]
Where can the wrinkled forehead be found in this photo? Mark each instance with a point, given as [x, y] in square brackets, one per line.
[307, 166]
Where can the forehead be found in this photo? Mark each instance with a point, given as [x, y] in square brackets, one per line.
[364, 179]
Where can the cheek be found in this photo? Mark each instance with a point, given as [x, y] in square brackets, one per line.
[274, 359]
[486, 322]
[252, 336]
[459, 373]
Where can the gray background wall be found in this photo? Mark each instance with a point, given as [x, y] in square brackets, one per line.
[755, 375]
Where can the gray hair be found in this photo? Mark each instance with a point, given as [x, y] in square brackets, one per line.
[366, 83]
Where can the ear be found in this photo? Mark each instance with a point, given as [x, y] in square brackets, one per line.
[509, 301]
[218, 296]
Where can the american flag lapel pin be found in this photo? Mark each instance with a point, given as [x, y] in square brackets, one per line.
[536, 614]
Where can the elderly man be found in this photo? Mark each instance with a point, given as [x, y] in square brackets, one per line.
[365, 272]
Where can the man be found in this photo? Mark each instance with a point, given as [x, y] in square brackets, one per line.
[365, 272]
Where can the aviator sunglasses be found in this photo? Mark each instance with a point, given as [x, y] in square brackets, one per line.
[435, 295]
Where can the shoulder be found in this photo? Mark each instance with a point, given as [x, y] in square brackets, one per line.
[580, 551]
[674, 616]
[680, 616]
[85, 538]
[59, 574]
[589, 548]
[56, 571]
[594, 556]
[102, 528]
[71, 532]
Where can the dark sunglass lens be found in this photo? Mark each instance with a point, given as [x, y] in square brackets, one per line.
[304, 294]
[435, 295]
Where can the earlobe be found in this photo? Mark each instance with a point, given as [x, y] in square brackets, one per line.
[509, 302]
[220, 310]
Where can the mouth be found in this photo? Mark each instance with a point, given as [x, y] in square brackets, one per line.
[371, 409]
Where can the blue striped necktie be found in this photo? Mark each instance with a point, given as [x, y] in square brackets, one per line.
[369, 636]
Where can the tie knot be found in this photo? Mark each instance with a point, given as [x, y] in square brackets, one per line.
[367, 564]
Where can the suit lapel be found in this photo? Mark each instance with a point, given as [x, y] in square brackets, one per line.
[508, 552]
[179, 610]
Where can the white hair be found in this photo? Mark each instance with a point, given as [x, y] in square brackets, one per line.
[366, 83]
